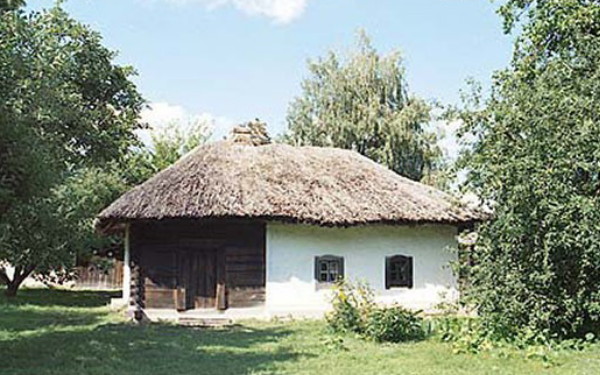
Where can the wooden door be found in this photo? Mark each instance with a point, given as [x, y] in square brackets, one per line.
[203, 279]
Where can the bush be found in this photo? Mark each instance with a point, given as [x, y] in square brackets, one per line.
[354, 311]
[351, 303]
[393, 324]
[465, 333]
[469, 335]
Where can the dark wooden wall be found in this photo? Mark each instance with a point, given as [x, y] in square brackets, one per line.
[157, 246]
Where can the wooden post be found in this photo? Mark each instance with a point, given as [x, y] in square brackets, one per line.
[137, 292]
[221, 288]
[180, 298]
[126, 268]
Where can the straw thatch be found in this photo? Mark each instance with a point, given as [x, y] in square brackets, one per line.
[324, 186]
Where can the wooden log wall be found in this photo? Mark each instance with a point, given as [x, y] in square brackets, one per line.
[160, 247]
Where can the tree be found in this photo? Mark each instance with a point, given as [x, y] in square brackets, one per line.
[64, 106]
[8, 5]
[172, 142]
[167, 145]
[48, 234]
[535, 159]
[362, 103]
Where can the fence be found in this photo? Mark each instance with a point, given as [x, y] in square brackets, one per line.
[91, 277]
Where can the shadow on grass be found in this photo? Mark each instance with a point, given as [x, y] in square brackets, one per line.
[39, 309]
[14, 318]
[60, 297]
[65, 332]
[154, 349]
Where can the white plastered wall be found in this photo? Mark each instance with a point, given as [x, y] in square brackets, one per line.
[291, 249]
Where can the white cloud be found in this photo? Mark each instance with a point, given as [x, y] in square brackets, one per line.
[281, 11]
[160, 115]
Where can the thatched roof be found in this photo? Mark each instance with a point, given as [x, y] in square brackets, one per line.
[323, 186]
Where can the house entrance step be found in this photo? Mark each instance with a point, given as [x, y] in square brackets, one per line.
[204, 322]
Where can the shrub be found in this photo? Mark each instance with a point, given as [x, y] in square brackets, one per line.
[393, 324]
[354, 311]
[469, 335]
[351, 303]
[465, 334]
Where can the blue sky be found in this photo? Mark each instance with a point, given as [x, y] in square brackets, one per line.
[234, 60]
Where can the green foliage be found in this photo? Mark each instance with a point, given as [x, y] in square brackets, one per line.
[62, 94]
[168, 145]
[23, 173]
[66, 110]
[467, 335]
[47, 234]
[334, 343]
[534, 159]
[60, 82]
[8, 5]
[171, 143]
[354, 311]
[393, 324]
[351, 304]
[80, 198]
[464, 333]
[362, 103]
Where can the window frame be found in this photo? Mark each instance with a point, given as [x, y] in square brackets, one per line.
[328, 258]
[408, 262]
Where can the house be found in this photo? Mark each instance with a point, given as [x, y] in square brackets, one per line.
[240, 224]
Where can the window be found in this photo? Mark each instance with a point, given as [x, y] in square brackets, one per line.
[329, 268]
[398, 271]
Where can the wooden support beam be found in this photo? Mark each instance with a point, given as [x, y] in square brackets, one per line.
[126, 267]
[221, 277]
[137, 291]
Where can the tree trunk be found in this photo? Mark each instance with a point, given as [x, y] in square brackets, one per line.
[12, 286]
[11, 289]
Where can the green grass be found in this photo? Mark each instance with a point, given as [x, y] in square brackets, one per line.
[65, 332]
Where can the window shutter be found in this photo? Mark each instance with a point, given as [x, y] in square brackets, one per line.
[388, 273]
[342, 274]
[410, 272]
[317, 265]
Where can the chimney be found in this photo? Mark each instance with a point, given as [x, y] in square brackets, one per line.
[252, 133]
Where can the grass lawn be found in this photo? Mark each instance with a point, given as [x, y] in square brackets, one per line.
[65, 332]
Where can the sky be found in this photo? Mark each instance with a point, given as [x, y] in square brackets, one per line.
[230, 61]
